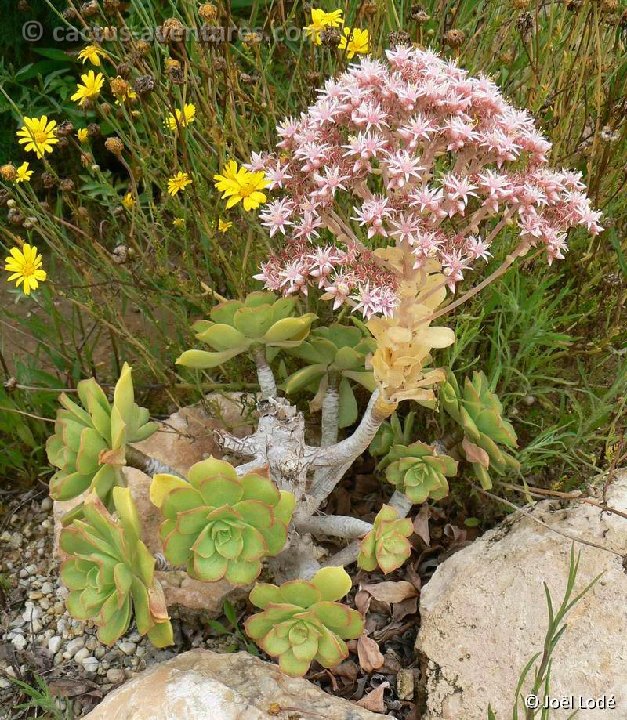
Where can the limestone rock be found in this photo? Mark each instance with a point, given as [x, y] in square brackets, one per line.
[484, 613]
[202, 684]
[184, 439]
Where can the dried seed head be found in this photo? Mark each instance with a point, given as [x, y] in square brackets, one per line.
[86, 159]
[89, 9]
[82, 213]
[609, 6]
[63, 143]
[119, 254]
[399, 37]
[64, 129]
[114, 145]
[330, 37]
[247, 79]
[15, 217]
[66, 185]
[219, 63]
[419, 15]
[521, 4]
[175, 71]
[369, 8]
[124, 70]
[119, 86]
[106, 108]
[314, 77]
[172, 30]
[142, 47]
[93, 129]
[69, 13]
[111, 6]
[8, 172]
[23, 6]
[454, 38]
[251, 38]
[208, 12]
[48, 179]
[144, 84]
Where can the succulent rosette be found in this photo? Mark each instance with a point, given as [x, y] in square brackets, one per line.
[110, 572]
[302, 621]
[89, 442]
[220, 525]
[235, 327]
[418, 472]
[335, 354]
[479, 413]
[386, 545]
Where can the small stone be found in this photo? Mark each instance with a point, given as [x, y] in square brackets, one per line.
[90, 663]
[99, 652]
[405, 684]
[46, 504]
[81, 654]
[36, 626]
[19, 642]
[54, 644]
[140, 652]
[115, 675]
[4, 684]
[127, 647]
[47, 588]
[91, 643]
[75, 645]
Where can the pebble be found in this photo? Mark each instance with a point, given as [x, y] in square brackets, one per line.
[90, 664]
[127, 647]
[115, 675]
[19, 641]
[405, 684]
[54, 644]
[47, 588]
[75, 645]
[81, 654]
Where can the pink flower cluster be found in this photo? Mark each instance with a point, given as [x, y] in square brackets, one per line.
[417, 152]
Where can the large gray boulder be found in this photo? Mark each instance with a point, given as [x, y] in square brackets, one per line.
[484, 613]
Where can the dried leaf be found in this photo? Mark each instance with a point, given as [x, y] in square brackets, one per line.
[67, 687]
[347, 669]
[452, 531]
[373, 701]
[391, 592]
[362, 601]
[421, 524]
[405, 608]
[369, 655]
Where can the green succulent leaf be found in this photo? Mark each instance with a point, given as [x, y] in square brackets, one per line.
[386, 545]
[110, 572]
[88, 445]
[301, 621]
[418, 472]
[220, 525]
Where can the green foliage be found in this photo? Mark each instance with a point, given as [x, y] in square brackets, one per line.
[392, 432]
[418, 471]
[386, 545]
[110, 572]
[40, 698]
[334, 354]
[220, 525]
[478, 411]
[302, 621]
[236, 327]
[88, 445]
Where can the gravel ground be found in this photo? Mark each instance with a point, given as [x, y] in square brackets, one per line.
[39, 637]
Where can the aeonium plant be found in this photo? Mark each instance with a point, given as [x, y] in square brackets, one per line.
[401, 180]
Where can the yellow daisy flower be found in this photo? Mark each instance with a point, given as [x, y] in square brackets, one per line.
[178, 182]
[93, 53]
[321, 20]
[241, 186]
[355, 41]
[82, 134]
[23, 173]
[128, 201]
[178, 222]
[91, 87]
[25, 266]
[224, 225]
[181, 118]
[38, 135]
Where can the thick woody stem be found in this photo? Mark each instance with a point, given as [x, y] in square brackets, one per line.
[238, 446]
[150, 466]
[350, 449]
[330, 416]
[345, 527]
[265, 375]
[258, 463]
[349, 554]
